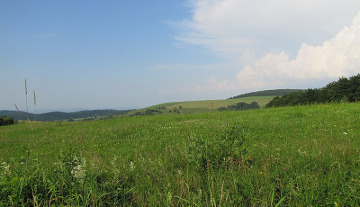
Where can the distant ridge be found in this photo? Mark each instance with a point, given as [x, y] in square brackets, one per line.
[54, 116]
[275, 92]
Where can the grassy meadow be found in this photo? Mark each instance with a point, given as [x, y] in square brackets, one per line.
[189, 107]
[294, 156]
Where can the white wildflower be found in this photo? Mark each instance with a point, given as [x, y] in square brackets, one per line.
[114, 161]
[5, 169]
[132, 166]
[79, 171]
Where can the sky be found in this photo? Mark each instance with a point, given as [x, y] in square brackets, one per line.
[117, 54]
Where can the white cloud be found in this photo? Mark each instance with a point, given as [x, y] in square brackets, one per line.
[277, 42]
[334, 58]
[231, 27]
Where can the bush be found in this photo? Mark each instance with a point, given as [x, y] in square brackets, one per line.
[240, 106]
[4, 121]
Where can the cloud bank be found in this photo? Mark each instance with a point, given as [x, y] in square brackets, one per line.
[278, 42]
[336, 57]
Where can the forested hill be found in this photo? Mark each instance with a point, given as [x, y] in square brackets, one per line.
[54, 116]
[345, 89]
[275, 92]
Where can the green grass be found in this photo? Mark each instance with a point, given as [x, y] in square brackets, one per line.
[190, 107]
[215, 104]
[295, 156]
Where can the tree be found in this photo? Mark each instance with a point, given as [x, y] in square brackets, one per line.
[342, 90]
[4, 121]
[354, 88]
[241, 106]
[222, 109]
[254, 105]
[337, 90]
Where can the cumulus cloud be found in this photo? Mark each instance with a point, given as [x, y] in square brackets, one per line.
[276, 42]
[336, 57]
[233, 27]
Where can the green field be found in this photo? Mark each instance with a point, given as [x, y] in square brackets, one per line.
[204, 106]
[294, 156]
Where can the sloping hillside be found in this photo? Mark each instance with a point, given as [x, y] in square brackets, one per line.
[275, 92]
[261, 97]
[198, 106]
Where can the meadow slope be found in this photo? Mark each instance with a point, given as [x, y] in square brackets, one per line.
[294, 156]
[189, 107]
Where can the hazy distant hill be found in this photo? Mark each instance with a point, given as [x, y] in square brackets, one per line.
[275, 92]
[54, 116]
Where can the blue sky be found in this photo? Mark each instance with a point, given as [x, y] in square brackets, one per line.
[135, 53]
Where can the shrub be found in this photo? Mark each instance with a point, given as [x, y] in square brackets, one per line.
[4, 121]
[240, 106]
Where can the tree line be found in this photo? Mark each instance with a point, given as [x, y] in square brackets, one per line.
[240, 106]
[275, 92]
[6, 120]
[345, 89]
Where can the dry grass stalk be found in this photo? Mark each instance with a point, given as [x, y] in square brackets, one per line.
[17, 108]
[34, 100]
[27, 108]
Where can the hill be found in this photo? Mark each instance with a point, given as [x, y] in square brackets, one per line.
[260, 97]
[54, 116]
[275, 92]
[189, 107]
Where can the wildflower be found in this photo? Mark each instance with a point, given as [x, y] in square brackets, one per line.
[260, 173]
[132, 166]
[79, 171]
[113, 161]
[5, 168]
[345, 133]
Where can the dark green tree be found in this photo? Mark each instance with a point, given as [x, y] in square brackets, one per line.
[342, 90]
[354, 88]
[4, 121]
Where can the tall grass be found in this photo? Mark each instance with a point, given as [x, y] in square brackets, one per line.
[34, 99]
[26, 103]
[296, 156]
[26, 99]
